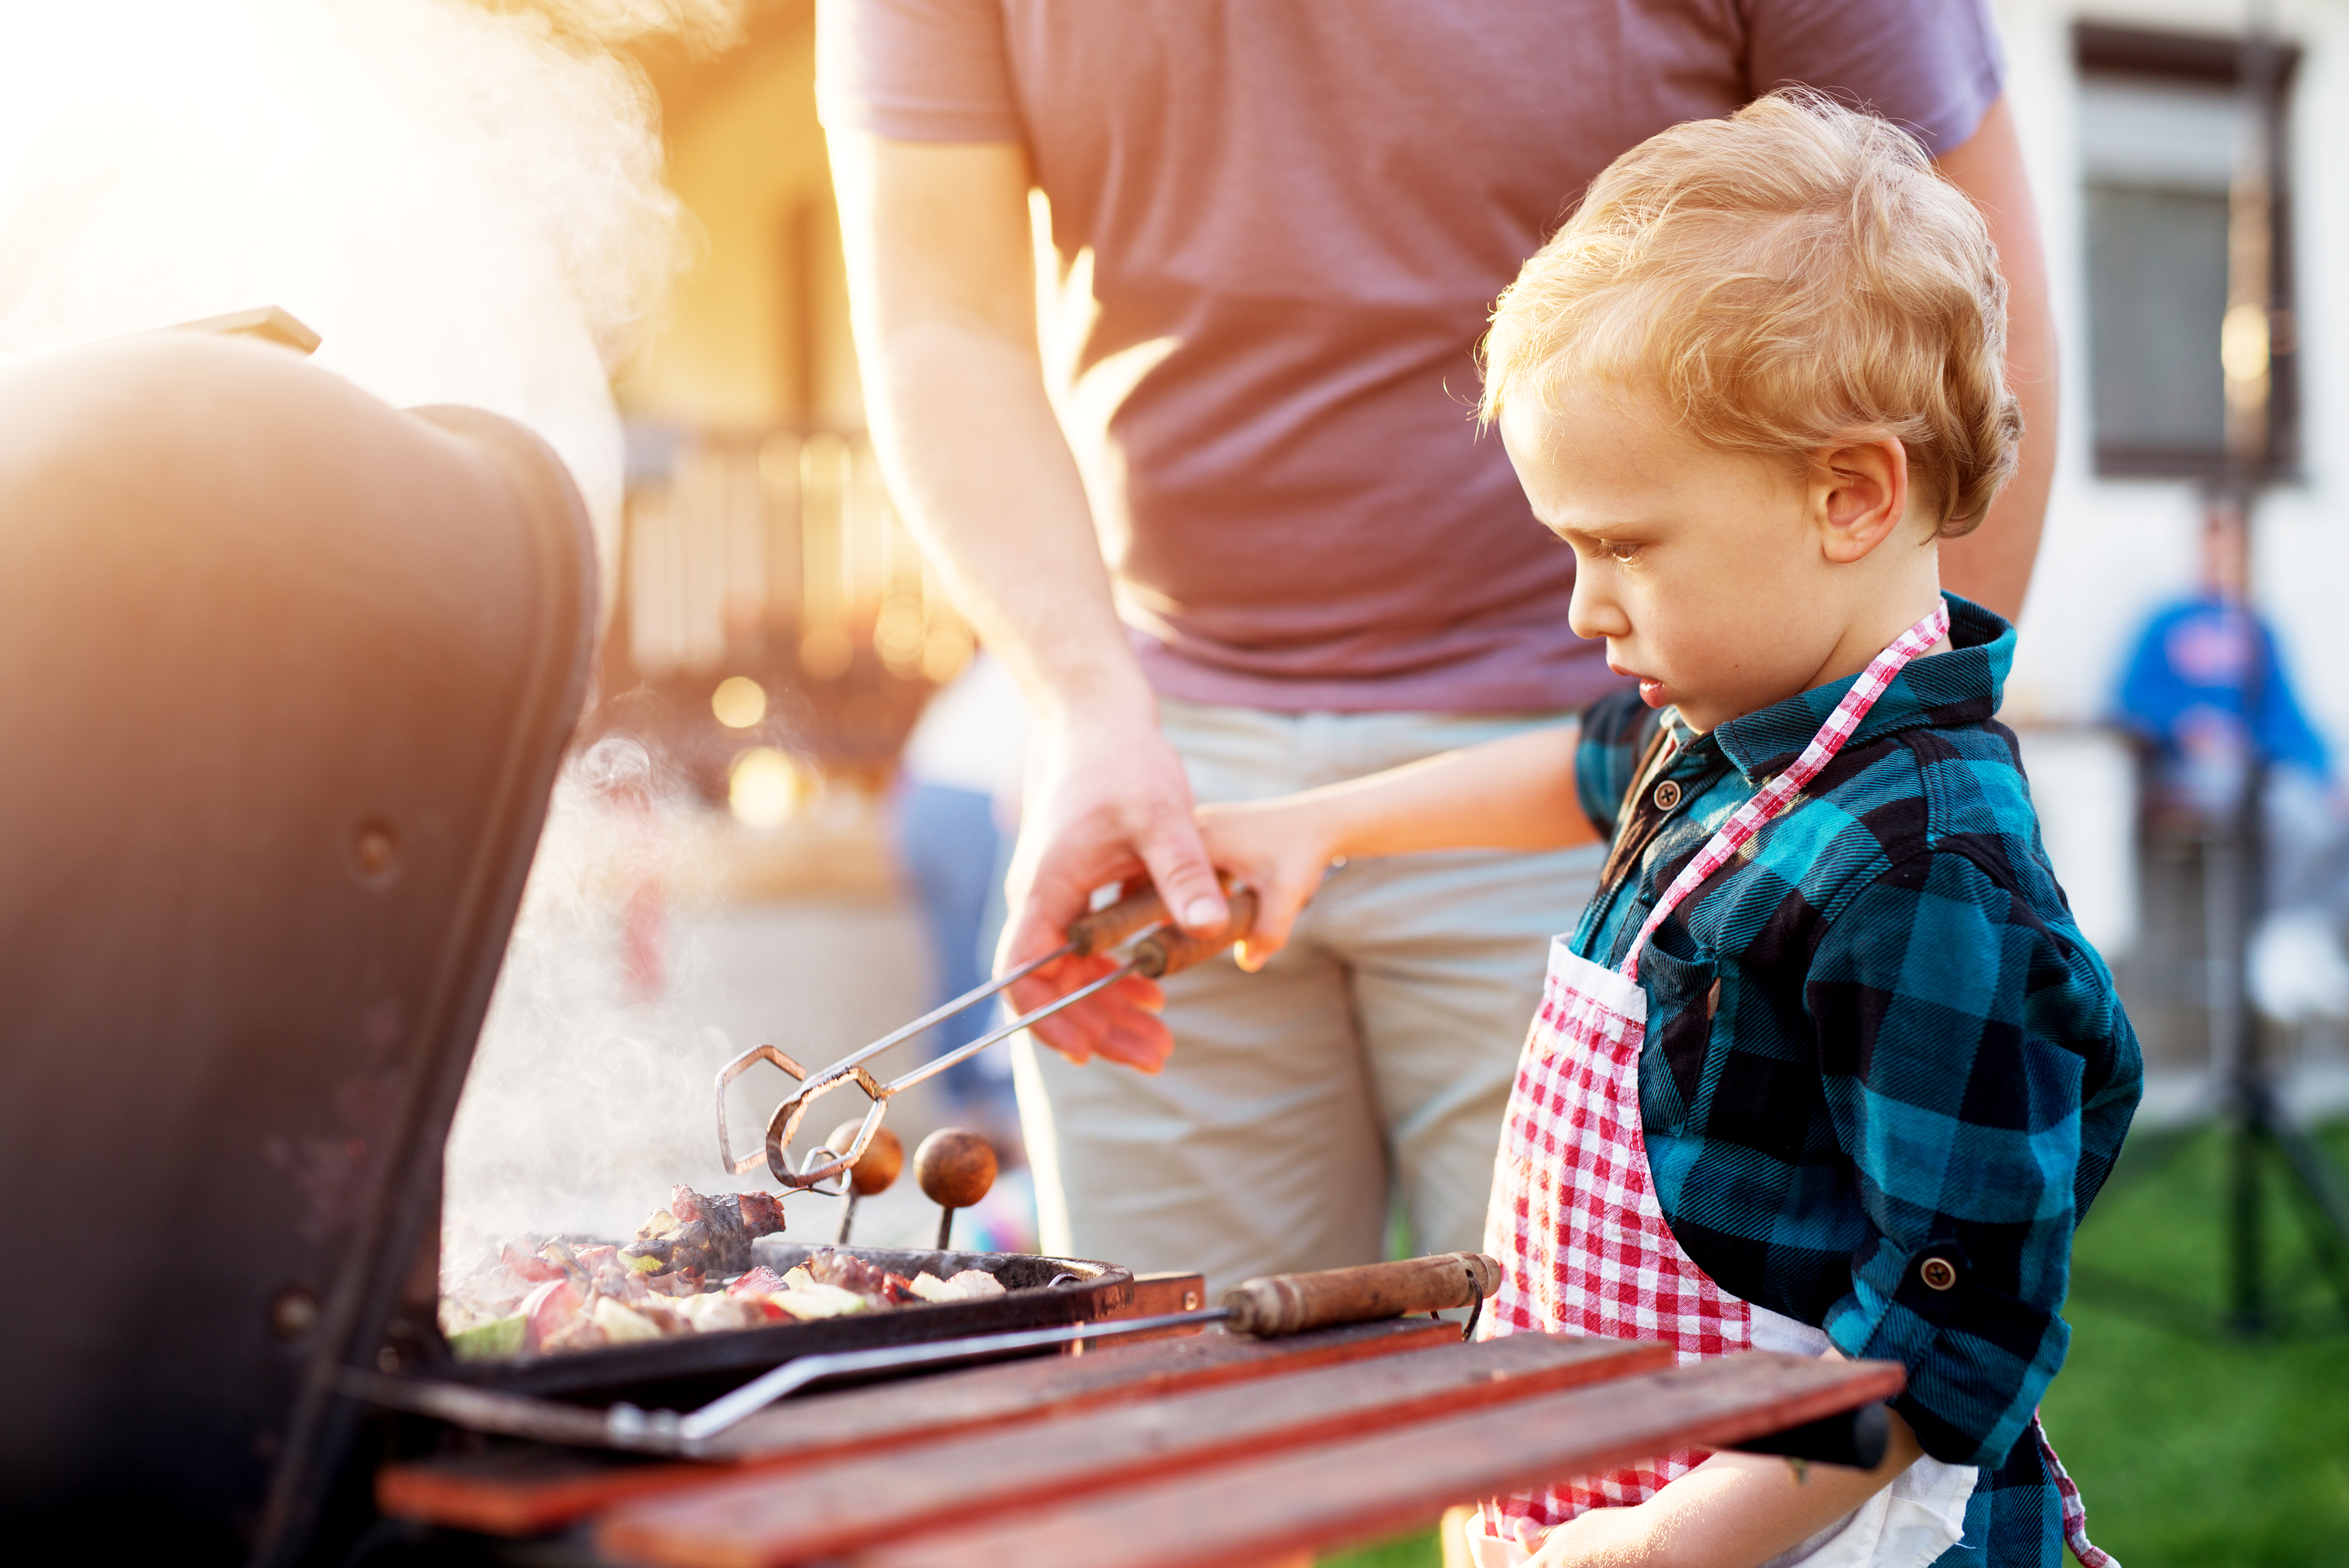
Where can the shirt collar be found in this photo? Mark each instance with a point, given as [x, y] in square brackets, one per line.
[1957, 687]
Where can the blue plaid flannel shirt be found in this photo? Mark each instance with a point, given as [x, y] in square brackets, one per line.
[1875, 1040]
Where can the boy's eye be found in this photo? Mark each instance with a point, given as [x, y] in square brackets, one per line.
[1617, 551]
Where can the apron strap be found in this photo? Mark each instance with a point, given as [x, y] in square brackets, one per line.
[1772, 798]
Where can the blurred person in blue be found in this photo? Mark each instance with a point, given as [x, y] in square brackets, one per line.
[2206, 690]
[2207, 694]
[957, 812]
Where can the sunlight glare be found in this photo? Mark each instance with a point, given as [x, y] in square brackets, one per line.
[766, 787]
[738, 702]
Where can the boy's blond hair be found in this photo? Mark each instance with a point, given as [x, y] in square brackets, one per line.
[1787, 279]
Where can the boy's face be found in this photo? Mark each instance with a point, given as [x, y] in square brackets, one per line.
[1713, 576]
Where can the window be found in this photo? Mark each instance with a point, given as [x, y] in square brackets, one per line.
[2161, 115]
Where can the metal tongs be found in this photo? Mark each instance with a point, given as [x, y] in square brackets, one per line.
[1159, 948]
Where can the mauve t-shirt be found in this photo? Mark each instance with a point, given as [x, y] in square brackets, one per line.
[1298, 216]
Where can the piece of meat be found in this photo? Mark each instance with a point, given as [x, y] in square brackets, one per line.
[621, 1284]
[546, 1311]
[535, 1270]
[851, 1272]
[561, 1255]
[762, 1213]
[730, 1221]
[761, 1281]
[710, 1235]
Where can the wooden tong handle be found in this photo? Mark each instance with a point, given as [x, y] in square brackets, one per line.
[1105, 928]
[1166, 952]
[1173, 948]
[1291, 1304]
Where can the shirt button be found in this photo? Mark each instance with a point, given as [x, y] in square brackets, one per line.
[1667, 796]
[1938, 1273]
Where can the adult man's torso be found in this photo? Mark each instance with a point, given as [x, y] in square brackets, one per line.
[1281, 226]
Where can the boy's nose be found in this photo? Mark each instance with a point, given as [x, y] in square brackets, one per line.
[1592, 612]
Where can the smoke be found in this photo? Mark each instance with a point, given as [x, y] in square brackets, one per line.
[463, 201]
[584, 1102]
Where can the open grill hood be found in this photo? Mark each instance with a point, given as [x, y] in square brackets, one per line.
[288, 674]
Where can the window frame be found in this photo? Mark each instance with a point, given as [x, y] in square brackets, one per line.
[2157, 57]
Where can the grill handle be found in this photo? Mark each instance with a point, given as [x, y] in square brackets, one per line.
[1293, 1303]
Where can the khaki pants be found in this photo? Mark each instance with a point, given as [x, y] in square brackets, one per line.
[1370, 1060]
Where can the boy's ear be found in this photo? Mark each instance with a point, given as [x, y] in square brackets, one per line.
[1859, 495]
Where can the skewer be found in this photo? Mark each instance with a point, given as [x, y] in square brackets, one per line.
[1159, 949]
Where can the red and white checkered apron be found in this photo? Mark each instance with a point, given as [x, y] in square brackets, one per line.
[1574, 1216]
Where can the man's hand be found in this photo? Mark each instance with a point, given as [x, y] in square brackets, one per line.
[1107, 801]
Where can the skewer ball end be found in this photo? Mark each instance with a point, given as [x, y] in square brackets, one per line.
[883, 1157]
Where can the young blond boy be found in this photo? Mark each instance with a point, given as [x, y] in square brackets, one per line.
[1845, 1070]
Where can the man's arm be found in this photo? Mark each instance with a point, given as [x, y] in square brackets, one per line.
[942, 294]
[1992, 566]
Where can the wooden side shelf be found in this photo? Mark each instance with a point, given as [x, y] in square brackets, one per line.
[817, 1511]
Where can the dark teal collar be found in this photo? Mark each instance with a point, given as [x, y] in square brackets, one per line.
[1960, 686]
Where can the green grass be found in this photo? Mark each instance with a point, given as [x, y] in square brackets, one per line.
[2194, 1446]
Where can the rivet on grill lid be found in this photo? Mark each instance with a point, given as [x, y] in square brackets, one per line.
[375, 852]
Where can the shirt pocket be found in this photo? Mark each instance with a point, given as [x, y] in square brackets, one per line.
[1684, 998]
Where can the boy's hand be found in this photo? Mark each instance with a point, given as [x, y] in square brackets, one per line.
[1281, 848]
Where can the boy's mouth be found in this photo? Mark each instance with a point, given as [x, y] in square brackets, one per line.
[1652, 690]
